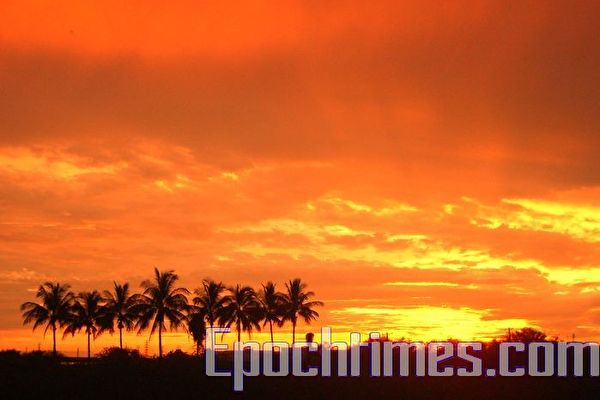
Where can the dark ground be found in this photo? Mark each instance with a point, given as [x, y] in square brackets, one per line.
[183, 377]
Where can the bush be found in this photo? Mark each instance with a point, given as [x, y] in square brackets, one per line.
[116, 353]
[43, 354]
[9, 356]
[177, 355]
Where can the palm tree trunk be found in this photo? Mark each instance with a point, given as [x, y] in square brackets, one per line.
[160, 341]
[121, 338]
[239, 334]
[54, 339]
[89, 348]
[197, 349]
[293, 331]
[271, 328]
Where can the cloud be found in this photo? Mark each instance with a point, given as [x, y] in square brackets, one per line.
[25, 162]
[579, 221]
[492, 96]
[430, 284]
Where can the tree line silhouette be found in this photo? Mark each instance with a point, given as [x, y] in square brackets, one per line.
[161, 302]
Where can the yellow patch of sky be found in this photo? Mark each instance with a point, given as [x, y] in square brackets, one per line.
[25, 161]
[571, 276]
[409, 237]
[590, 289]
[287, 226]
[319, 231]
[428, 284]
[431, 322]
[578, 221]
[179, 182]
[419, 254]
[433, 257]
[341, 230]
[393, 209]
[402, 258]
[449, 208]
[225, 175]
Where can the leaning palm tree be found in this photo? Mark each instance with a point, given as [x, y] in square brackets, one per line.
[241, 307]
[161, 301]
[54, 310]
[196, 327]
[86, 314]
[297, 304]
[118, 308]
[271, 304]
[209, 300]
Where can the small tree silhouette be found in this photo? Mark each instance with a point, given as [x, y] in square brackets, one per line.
[196, 327]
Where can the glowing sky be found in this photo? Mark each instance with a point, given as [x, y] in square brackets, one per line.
[430, 170]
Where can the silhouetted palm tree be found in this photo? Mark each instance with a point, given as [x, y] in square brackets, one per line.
[209, 300]
[297, 304]
[271, 304]
[161, 301]
[241, 307]
[54, 310]
[118, 308]
[196, 326]
[86, 313]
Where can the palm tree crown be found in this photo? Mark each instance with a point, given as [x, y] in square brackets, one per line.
[161, 301]
[297, 304]
[241, 307]
[119, 309]
[209, 300]
[271, 304]
[86, 314]
[196, 327]
[54, 310]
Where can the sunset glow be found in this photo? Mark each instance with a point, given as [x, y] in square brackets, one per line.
[428, 174]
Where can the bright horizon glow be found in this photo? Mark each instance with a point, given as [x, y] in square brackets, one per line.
[412, 163]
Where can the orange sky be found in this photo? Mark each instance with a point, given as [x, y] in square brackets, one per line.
[430, 170]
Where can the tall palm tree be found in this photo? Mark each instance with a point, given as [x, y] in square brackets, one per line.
[54, 310]
[241, 307]
[196, 326]
[86, 313]
[161, 301]
[297, 304]
[209, 300]
[271, 304]
[119, 308]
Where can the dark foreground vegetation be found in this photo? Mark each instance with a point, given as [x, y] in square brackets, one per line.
[120, 373]
[180, 376]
